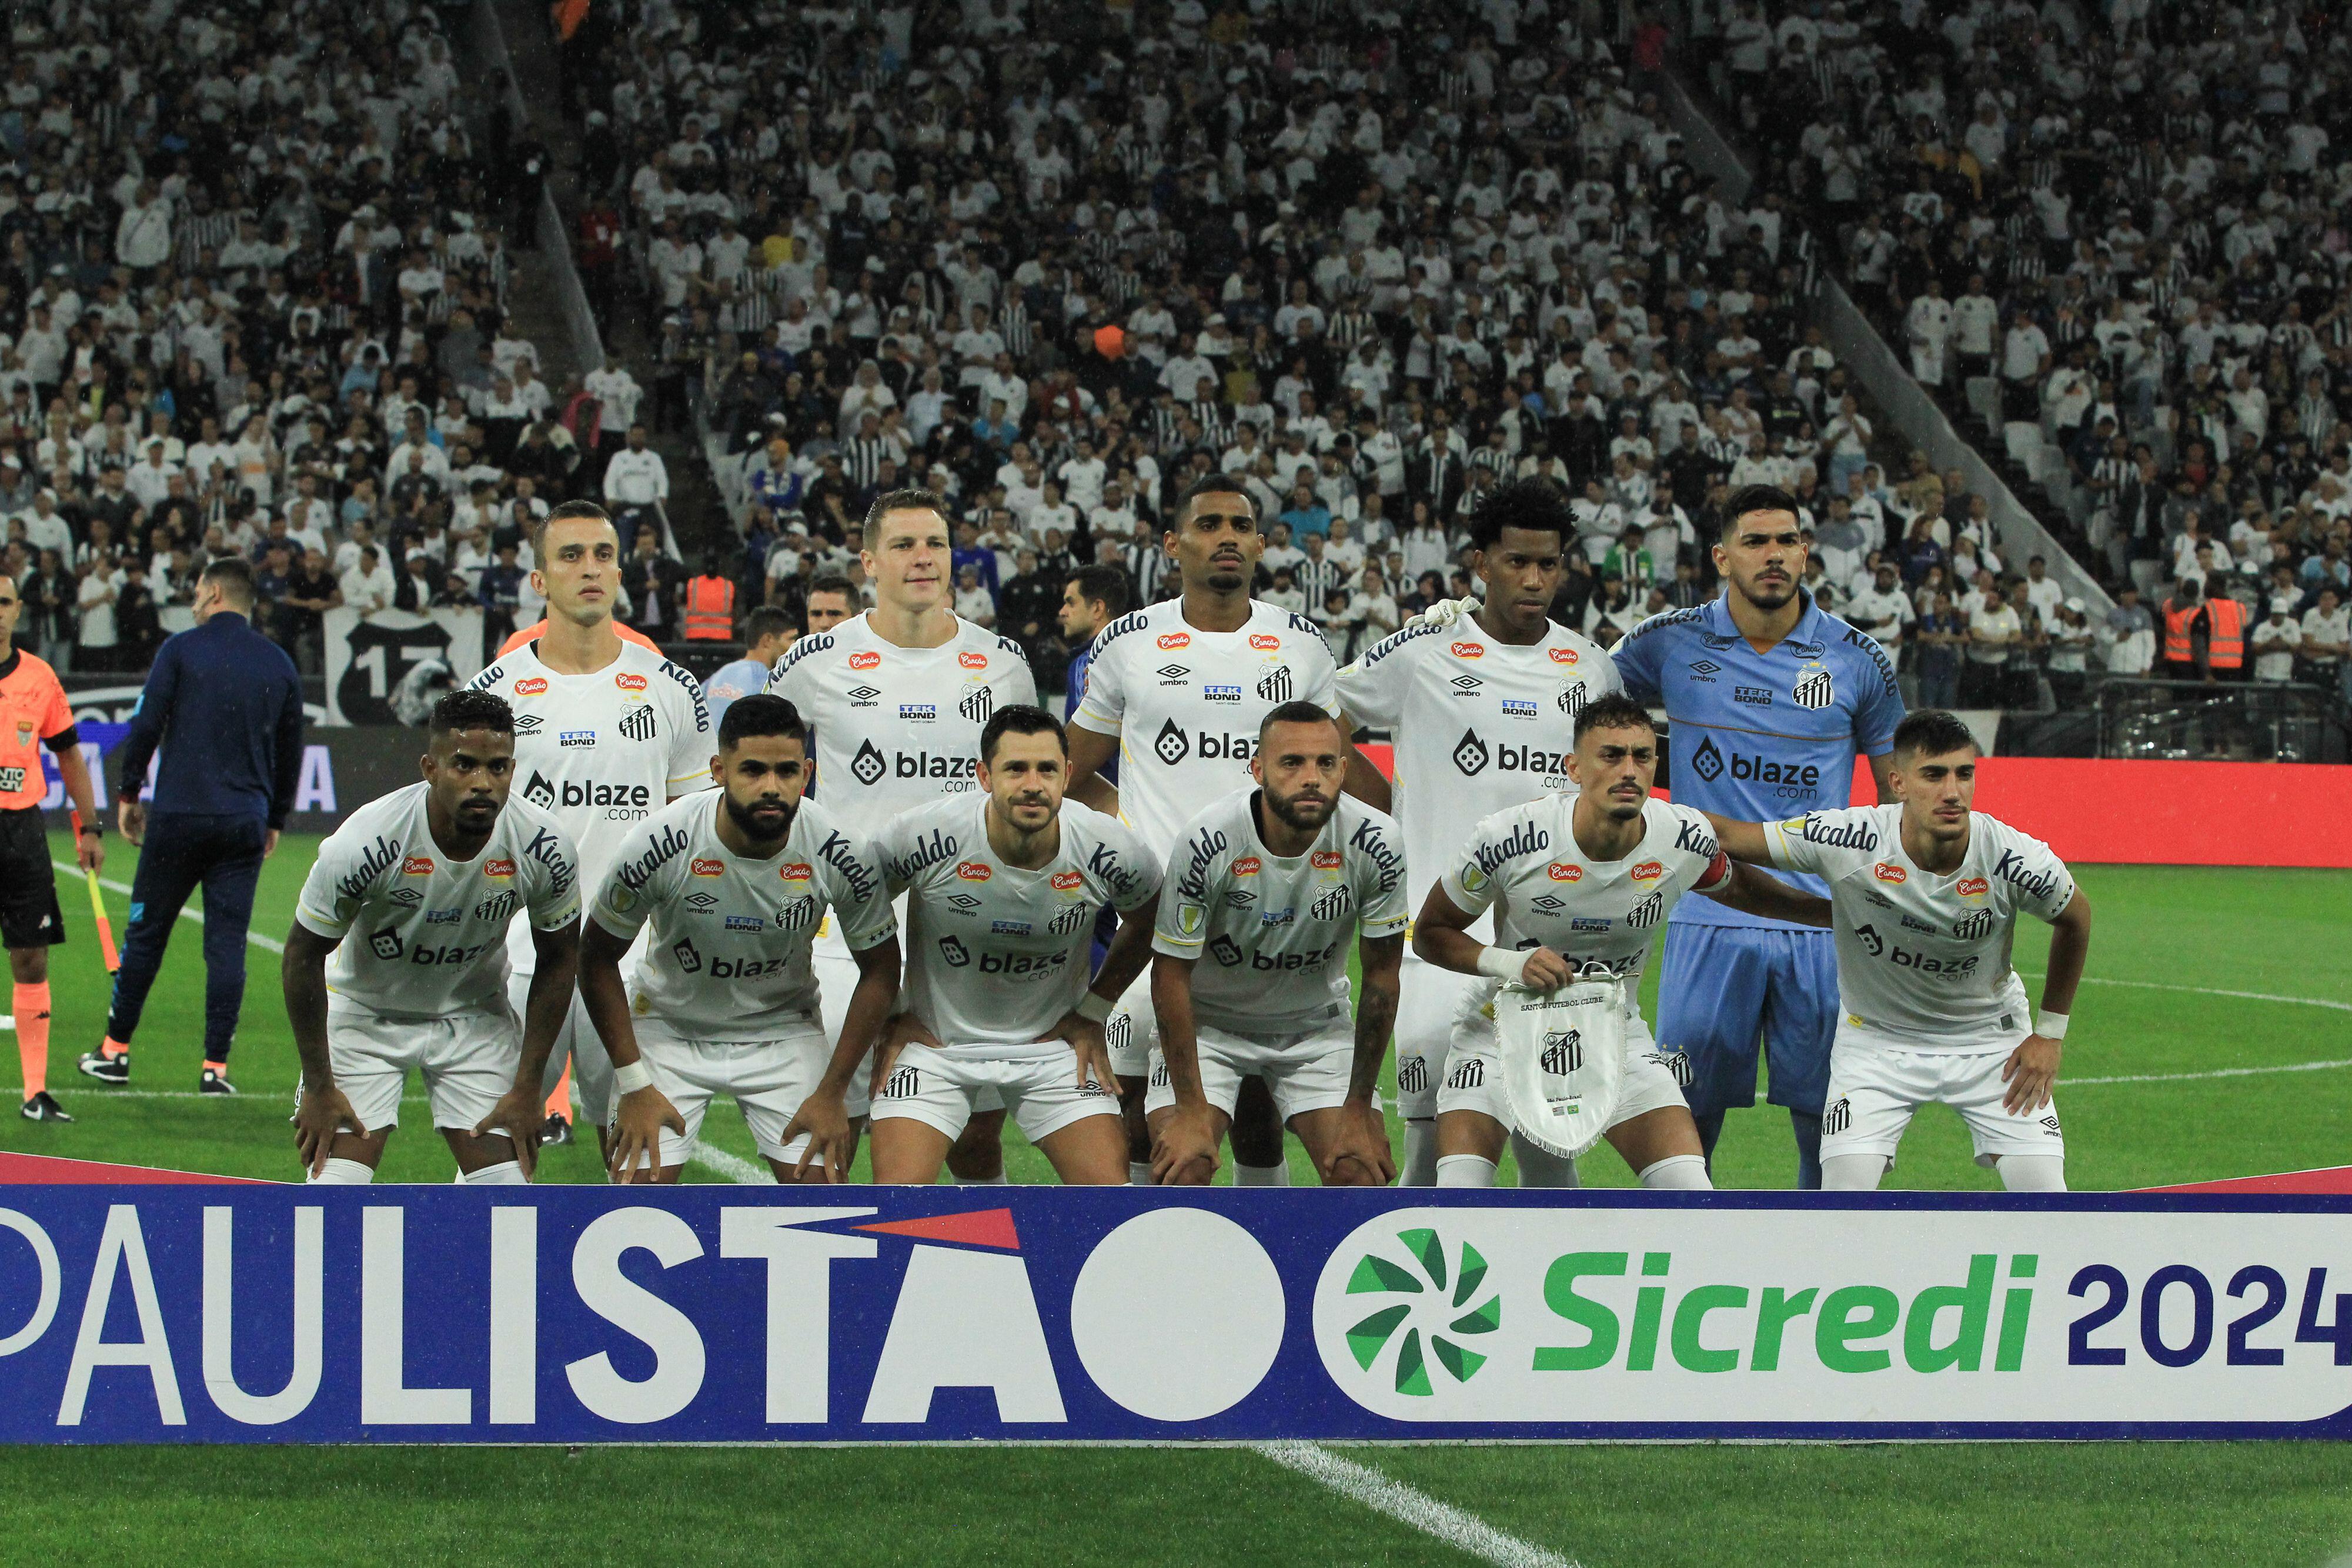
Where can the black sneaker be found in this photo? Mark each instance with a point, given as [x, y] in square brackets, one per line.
[104, 1068]
[42, 1108]
[212, 1082]
[555, 1130]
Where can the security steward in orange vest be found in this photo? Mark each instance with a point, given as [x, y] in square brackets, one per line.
[711, 605]
[2204, 638]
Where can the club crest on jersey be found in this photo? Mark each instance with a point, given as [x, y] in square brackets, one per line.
[1172, 641]
[1562, 655]
[708, 867]
[1560, 873]
[972, 871]
[498, 908]
[1189, 917]
[979, 705]
[1973, 926]
[797, 916]
[1068, 880]
[498, 869]
[416, 866]
[1467, 650]
[1572, 699]
[1648, 871]
[637, 723]
[1265, 642]
[1334, 904]
[532, 688]
[865, 661]
[1644, 915]
[1815, 688]
[1972, 887]
[1275, 686]
[1885, 873]
[1068, 921]
[630, 682]
[972, 661]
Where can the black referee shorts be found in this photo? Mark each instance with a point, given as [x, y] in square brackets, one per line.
[29, 916]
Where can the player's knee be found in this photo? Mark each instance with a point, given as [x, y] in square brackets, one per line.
[2033, 1173]
[1852, 1173]
[1677, 1173]
[340, 1172]
[1465, 1170]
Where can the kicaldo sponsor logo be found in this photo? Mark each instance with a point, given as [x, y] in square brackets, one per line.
[1468, 650]
[972, 871]
[1560, 873]
[707, 867]
[1885, 873]
[972, 661]
[629, 682]
[1169, 640]
[865, 660]
[532, 688]
[416, 866]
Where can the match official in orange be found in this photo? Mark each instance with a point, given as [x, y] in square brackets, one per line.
[33, 713]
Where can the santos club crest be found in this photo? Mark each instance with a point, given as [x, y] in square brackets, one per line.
[1814, 688]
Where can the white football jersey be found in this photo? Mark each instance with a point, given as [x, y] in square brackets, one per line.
[423, 934]
[996, 954]
[1923, 959]
[602, 751]
[1480, 726]
[1547, 892]
[1272, 935]
[895, 726]
[728, 959]
[1186, 703]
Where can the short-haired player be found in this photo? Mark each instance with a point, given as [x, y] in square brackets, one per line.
[1927, 892]
[1267, 893]
[731, 884]
[1003, 888]
[1579, 885]
[397, 959]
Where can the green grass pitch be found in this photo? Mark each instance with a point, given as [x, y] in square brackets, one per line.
[2169, 944]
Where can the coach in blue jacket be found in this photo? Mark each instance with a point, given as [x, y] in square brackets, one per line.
[226, 706]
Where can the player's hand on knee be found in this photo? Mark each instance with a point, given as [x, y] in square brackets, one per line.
[2029, 1071]
[1545, 970]
[1185, 1149]
[518, 1115]
[1360, 1155]
[318, 1115]
[637, 1133]
[824, 1120]
[1086, 1038]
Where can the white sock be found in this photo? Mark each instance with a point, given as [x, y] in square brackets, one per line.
[1852, 1173]
[506, 1172]
[1465, 1170]
[1420, 1166]
[1138, 1173]
[1542, 1168]
[1261, 1176]
[343, 1173]
[1001, 1179]
[2033, 1173]
[1677, 1173]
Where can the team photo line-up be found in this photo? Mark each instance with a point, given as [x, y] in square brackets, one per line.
[892, 898]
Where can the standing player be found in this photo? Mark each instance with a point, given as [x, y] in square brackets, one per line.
[33, 713]
[1092, 598]
[768, 632]
[1926, 895]
[898, 696]
[1577, 881]
[731, 883]
[1485, 715]
[1265, 890]
[1002, 887]
[1767, 698]
[397, 959]
[607, 732]
[1176, 691]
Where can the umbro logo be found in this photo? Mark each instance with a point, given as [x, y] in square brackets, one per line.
[1547, 902]
[525, 723]
[407, 895]
[963, 901]
[702, 902]
[1465, 684]
[1706, 668]
[863, 696]
[1173, 674]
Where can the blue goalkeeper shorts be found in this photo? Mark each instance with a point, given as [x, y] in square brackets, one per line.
[1724, 991]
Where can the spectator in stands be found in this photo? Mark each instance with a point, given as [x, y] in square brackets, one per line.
[654, 583]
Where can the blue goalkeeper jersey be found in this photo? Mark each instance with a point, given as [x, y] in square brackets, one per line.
[1761, 736]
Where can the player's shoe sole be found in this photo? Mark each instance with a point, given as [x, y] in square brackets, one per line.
[42, 1108]
[212, 1082]
[555, 1130]
[104, 1068]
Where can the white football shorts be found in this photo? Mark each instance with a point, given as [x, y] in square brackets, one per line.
[1303, 1072]
[1430, 998]
[769, 1079]
[467, 1061]
[835, 968]
[1651, 1078]
[1875, 1088]
[1132, 1031]
[940, 1089]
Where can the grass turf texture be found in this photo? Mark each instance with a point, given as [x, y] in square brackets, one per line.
[2278, 932]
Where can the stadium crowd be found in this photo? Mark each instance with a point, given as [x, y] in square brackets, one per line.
[2124, 224]
[253, 265]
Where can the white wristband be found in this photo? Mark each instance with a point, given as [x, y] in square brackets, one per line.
[2050, 1026]
[1503, 964]
[637, 1075]
[1095, 1008]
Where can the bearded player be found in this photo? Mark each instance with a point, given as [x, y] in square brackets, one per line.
[730, 883]
[607, 732]
[1926, 894]
[1176, 692]
[1581, 883]
[397, 959]
[1484, 713]
[1268, 891]
[1003, 888]
[897, 696]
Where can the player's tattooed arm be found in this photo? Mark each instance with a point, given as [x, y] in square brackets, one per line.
[1364, 782]
[2032, 1068]
[1090, 752]
[643, 1112]
[1183, 1146]
[824, 1115]
[1441, 937]
[521, 1108]
[321, 1112]
[1756, 893]
[1364, 1140]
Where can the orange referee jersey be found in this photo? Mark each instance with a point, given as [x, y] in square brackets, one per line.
[32, 709]
[628, 634]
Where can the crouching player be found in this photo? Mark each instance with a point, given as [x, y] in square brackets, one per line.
[1262, 896]
[1003, 888]
[398, 959]
[1927, 892]
[1579, 882]
[734, 884]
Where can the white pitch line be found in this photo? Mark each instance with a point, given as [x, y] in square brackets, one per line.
[2216, 1072]
[2210, 991]
[1385, 1494]
[267, 944]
